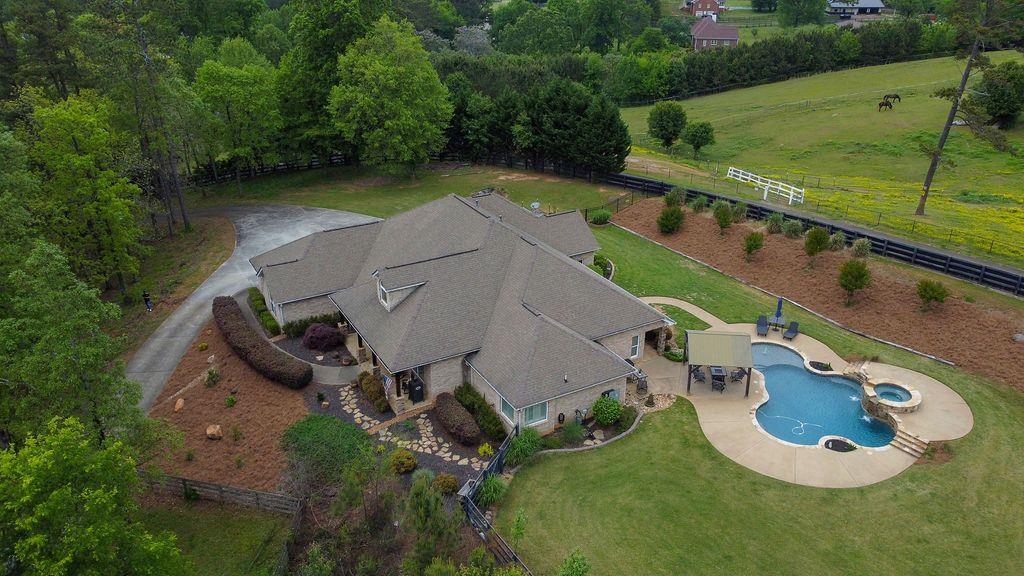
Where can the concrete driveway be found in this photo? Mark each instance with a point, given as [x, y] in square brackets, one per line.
[257, 229]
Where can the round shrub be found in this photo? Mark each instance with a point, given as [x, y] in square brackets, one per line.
[739, 212]
[600, 216]
[837, 241]
[456, 419]
[401, 461]
[670, 219]
[322, 337]
[572, 432]
[722, 211]
[676, 355]
[792, 228]
[853, 276]
[752, 243]
[485, 450]
[860, 248]
[373, 388]
[606, 410]
[816, 241]
[522, 447]
[699, 203]
[626, 419]
[674, 197]
[603, 263]
[774, 223]
[930, 292]
[445, 484]
[203, 346]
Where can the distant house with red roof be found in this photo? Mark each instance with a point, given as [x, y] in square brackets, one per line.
[705, 8]
[708, 34]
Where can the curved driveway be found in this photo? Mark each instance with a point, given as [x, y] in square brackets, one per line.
[257, 229]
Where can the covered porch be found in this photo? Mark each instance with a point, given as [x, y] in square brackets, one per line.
[405, 389]
[718, 359]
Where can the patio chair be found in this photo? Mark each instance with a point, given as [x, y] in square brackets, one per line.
[719, 385]
[738, 374]
[762, 325]
[792, 331]
[698, 375]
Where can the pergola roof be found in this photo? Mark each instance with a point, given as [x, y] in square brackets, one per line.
[705, 348]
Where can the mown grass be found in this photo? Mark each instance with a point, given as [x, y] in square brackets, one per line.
[221, 540]
[823, 132]
[684, 321]
[363, 191]
[664, 501]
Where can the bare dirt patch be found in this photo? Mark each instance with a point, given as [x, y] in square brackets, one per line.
[974, 335]
[262, 412]
[937, 453]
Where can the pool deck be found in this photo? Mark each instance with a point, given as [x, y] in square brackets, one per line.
[729, 422]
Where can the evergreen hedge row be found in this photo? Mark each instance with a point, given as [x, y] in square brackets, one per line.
[260, 354]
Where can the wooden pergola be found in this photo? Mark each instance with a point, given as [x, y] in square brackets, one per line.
[711, 348]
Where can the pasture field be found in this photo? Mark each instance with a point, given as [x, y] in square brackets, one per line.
[857, 163]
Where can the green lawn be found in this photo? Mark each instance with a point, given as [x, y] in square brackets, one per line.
[664, 501]
[362, 191]
[823, 132]
[221, 540]
[684, 321]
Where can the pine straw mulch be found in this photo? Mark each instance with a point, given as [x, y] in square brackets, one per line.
[975, 336]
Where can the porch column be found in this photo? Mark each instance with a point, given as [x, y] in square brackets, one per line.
[662, 338]
[749, 372]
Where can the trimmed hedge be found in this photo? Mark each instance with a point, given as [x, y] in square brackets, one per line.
[322, 337]
[600, 216]
[373, 388]
[262, 313]
[260, 354]
[486, 418]
[456, 419]
[297, 328]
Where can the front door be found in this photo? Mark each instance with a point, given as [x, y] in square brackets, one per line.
[416, 390]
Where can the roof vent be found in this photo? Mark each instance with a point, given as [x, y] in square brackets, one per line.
[535, 207]
[565, 378]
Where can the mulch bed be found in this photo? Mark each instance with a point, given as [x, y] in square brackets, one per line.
[336, 408]
[294, 347]
[264, 410]
[975, 336]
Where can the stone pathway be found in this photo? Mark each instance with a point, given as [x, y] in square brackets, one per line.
[349, 403]
[431, 443]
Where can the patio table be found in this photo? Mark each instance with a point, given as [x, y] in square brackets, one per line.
[776, 322]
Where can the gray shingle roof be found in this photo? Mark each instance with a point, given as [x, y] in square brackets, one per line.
[566, 232]
[473, 284]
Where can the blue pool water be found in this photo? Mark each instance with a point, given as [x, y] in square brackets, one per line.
[804, 406]
[892, 393]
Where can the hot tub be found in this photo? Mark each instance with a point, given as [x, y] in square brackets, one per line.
[890, 397]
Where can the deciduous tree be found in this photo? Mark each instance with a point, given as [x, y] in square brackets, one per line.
[666, 122]
[699, 135]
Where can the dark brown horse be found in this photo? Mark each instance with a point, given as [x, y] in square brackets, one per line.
[884, 104]
[891, 97]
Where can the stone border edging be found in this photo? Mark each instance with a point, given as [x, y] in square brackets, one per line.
[797, 304]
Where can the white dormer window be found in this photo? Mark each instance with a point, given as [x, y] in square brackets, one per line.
[382, 294]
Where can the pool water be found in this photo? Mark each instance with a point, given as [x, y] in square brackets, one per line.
[803, 406]
[892, 393]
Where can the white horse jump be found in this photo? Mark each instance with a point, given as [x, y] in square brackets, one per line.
[768, 186]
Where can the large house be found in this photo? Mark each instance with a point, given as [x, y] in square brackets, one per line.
[707, 34]
[704, 8]
[854, 7]
[473, 290]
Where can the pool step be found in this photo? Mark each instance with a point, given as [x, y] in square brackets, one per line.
[909, 443]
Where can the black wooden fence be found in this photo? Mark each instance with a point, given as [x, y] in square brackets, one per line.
[501, 550]
[967, 268]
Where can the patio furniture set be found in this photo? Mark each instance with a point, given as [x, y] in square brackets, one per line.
[718, 376]
[776, 323]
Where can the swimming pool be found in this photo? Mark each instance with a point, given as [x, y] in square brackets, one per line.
[803, 406]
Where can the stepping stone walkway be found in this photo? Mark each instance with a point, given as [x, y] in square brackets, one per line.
[349, 404]
[431, 443]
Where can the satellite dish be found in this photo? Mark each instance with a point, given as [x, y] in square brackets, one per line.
[535, 206]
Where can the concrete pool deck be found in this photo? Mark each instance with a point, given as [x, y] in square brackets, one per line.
[728, 419]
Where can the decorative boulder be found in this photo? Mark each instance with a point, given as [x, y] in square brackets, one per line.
[179, 404]
[322, 337]
[214, 432]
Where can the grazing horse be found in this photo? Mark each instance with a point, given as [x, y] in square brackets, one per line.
[891, 97]
[884, 104]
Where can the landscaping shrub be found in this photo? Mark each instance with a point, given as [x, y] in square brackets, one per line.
[722, 211]
[251, 347]
[456, 419]
[860, 248]
[930, 292]
[526, 444]
[674, 197]
[297, 328]
[815, 242]
[491, 490]
[774, 223]
[606, 410]
[699, 203]
[445, 484]
[792, 228]
[572, 432]
[854, 276]
[485, 450]
[626, 419]
[837, 241]
[230, 401]
[602, 262]
[212, 377]
[259, 309]
[600, 216]
[739, 212]
[322, 337]
[752, 243]
[486, 418]
[401, 461]
[551, 442]
[325, 445]
[676, 355]
[670, 220]
[203, 346]
[373, 388]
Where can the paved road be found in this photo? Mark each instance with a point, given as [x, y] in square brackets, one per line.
[257, 229]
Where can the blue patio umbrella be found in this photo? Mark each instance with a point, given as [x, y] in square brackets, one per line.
[778, 309]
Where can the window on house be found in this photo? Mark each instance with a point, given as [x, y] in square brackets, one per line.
[705, 42]
[535, 414]
[634, 347]
[508, 411]
[714, 42]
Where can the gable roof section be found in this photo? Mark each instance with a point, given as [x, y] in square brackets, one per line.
[566, 232]
[708, 29]
[857, 4]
